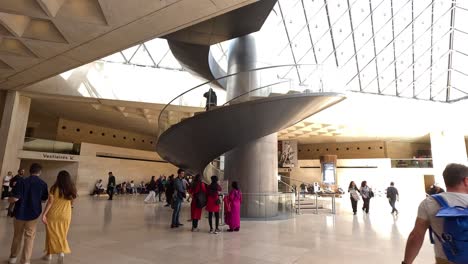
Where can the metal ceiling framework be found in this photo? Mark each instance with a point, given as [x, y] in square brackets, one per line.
[404, 48]
[154, 54]
[401, 54]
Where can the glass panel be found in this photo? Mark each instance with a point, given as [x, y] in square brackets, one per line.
[462, 3]
[142, 57]
[170, 61]
[157, 48]
[459, 80]
[128, 53]
[460, 42]
[461, 15]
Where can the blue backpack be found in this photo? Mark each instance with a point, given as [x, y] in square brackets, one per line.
[454, 238]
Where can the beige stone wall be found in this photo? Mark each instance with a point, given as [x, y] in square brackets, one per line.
[92, 168]
[50, 169]
[404, 150]
[2, 103]
[78, 132]
[43, 125]
[352, 150]
[363, 150]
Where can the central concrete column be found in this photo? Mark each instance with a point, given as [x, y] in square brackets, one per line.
[12, 129]
[254, 165]
[447, 147]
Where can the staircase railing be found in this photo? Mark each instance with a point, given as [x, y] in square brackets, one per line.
[269, 81]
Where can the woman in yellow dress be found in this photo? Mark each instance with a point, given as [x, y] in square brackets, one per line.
[57, 216]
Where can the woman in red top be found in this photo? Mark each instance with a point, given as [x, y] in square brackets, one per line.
[196, 210]
[212, 203]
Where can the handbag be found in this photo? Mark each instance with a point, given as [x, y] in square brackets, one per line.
[355, 196]
[200, 199]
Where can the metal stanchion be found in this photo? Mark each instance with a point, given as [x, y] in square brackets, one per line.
[221, 216]
[298, 195]
[316, 203]
[333, 204]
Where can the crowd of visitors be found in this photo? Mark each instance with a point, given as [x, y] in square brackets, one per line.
[366, 193]
[180, 188]
[162, 186]
[444, 213]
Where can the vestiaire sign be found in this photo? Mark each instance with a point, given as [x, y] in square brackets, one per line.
[58, 156]
[26, 154]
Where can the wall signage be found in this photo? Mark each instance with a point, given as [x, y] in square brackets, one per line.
[58, 157]
[36, 155]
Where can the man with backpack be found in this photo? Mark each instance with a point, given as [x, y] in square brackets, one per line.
[446, 215]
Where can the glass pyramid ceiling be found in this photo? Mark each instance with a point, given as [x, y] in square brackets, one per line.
[406, 48]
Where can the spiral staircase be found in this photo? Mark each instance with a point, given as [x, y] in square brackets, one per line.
[273, 104]
[192, 143]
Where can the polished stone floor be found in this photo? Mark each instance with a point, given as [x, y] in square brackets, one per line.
[127, 231]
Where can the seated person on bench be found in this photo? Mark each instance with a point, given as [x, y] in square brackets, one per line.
[98, 188]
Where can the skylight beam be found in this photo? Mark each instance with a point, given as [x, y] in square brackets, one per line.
[450, 58]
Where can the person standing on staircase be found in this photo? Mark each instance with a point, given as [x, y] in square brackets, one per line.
[211, 99]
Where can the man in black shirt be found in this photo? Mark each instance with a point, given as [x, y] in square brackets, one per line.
[28, 195]
[111, 186]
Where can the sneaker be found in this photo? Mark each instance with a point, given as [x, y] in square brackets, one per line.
[211, 231]
[12, 260]
[236, 230]
[47, 257]
[217, 230]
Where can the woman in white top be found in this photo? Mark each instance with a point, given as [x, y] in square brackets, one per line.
[6, 185]
[354, 196]
[366, 196]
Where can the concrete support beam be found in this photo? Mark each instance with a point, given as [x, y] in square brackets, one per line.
[447, 147]
[254, 165]
[12, 129]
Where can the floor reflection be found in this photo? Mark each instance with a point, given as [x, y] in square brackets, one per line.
[128, 231]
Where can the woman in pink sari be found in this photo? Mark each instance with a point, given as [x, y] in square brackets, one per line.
[235, 200]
